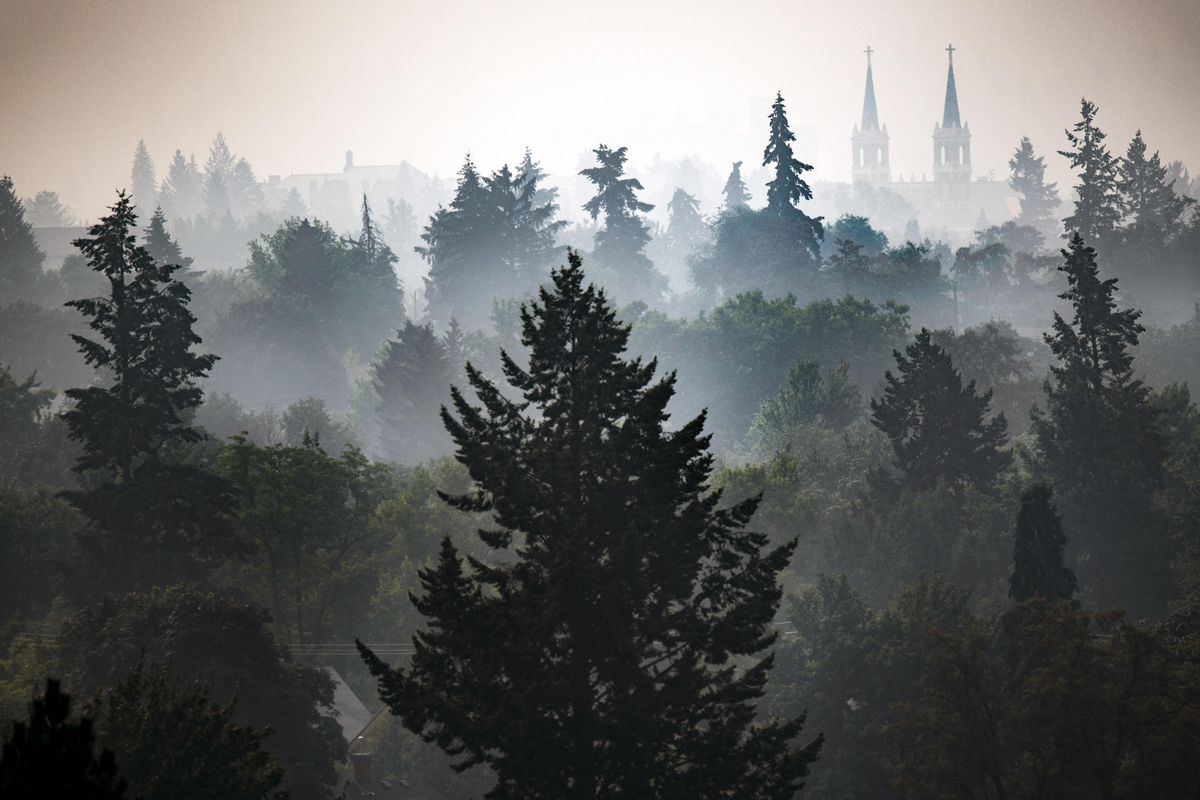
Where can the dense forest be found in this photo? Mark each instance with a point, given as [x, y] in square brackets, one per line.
[755, 503]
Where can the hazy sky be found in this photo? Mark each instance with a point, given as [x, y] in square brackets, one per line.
[294, 84]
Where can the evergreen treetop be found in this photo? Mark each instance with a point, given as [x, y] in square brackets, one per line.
[735, 192]
[1098, 203]
[1148, 196]
[619, 651]
[20, 257]
[143, 182]
[1039, 566]
[788, 186]
[1039, 199]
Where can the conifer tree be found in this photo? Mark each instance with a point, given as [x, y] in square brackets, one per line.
[620, 652]
[146, 507]
[21, 275]
[1097, 203]
[1100, 443]
[1039, 199]
[458, 246]
[293, 206]
[52, 756]
[534, 225]
[218, 172]
[620, 244]
[245, 193]
[1039, 566]
[686, 228]
[938, 428]
[1148, 196]
[46, 210]
[735, 191]
[374, 293]
[159, 244]
[143, 182]
[411, 379]
[182, 188]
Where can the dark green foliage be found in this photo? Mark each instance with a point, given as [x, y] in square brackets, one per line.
[411, 379]
[858, 230]
[621, 243]
[735, 192]
[1100, 443]
[1098, 203]
[51, 756]
[807, 399]
[151, 513]
[37, 537]
[619, 652]
[308, 419]
[788, 187]
[1002, 362]
[1039, 544]
[370, 293]
[938, 427]
[176, 743]
[1039, 200]
[226, 641]
[757, 251]
[24, 407]
[309, 517]
[21, 276]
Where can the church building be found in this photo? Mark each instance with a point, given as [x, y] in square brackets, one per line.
[952, 202]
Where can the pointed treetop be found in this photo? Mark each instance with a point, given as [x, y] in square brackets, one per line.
[950, 116]
[870, 117]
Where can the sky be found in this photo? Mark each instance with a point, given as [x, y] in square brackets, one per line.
[295, 84]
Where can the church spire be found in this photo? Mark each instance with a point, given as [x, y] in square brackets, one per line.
[870, 116]
[950, 117]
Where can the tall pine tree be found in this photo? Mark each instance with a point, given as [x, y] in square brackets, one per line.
[151, 513]
[182, 188]
[1148, 196]
[411, 379]
[619, 653]
[159, 244]
[1100, 444]
[21, 276]
[1039, 566]
[788, 187]
[621, 243]
[735, 192]
[143, 182]
[1097, 203]
[218, 173]
[1039, 199]
[938, 427]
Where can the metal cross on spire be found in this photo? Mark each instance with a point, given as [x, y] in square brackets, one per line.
[868, 51]
[949, 49]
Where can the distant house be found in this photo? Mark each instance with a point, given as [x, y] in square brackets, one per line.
[356, 721]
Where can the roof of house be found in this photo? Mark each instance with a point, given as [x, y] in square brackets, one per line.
[350, 712]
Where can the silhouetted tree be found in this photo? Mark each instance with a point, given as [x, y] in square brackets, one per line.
[21, 275]
[1148, 196]
[177, 743]
[1100, 442]
[159, 244]
[621, 243]
[218, 172]
[1039, 200]
[735, 192]
[629, 595]
[52, 756]
[1039, 544]
[938, 427]
[1097, 203]
[129, 427]
[788, 187]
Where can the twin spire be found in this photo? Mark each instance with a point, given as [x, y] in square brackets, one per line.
[950, 115]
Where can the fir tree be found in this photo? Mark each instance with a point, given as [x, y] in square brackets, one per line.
[145, 506]
[21, 275]
[1148, 195]
[621, 243]
[143, 181]
[1099, 440]
[159, 244]
[51, 756]
[1039, 568]
[218, 173]
[938, 428]
[534, 225]
[411, 378]
[685, 226]
[600, 661]
[1097, 202]
[1039, 200]
[46, 210]
[788, 187]
[245, 193]
[735, 191]
[182, 188]
[374, 291]
[293, 205]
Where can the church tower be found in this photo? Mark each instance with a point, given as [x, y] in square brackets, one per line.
[952, 149]
[869, 142]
